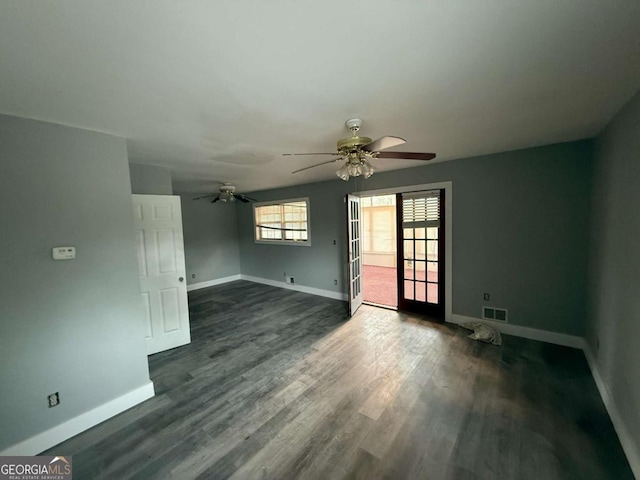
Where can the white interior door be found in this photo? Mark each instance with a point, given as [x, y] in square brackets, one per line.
[160, 246]
[355, 253]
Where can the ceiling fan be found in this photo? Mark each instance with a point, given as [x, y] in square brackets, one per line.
[357, 152]
[227, 194]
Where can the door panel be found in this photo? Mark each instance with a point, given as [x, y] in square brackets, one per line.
[161, 266]
[421, 248]
[355, 257]
[170, 313]
[146, 302]
[166, 249]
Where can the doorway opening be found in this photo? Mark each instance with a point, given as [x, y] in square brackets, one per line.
[399, 251]
[379, 250]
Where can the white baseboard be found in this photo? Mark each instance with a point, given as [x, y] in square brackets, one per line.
[211, 283]
[525, 332]
[49, 438]
[631, 450]
[297, 288]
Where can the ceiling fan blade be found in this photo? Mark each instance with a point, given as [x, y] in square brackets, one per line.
[383, 143]
[316, 165]
[244, 198]
[407, 155]
[298, 154]
[206, 196]
[215, 199]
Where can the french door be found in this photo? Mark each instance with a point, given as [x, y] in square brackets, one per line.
[421, 252]
[354, 229]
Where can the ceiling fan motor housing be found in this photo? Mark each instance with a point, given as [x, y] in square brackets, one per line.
[352, 143]
[227, 188]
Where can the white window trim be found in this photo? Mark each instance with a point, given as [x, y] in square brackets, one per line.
[283, 242]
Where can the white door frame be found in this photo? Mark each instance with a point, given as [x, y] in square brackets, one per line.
[448, 226]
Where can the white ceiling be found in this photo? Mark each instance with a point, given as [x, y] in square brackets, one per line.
[217, 90]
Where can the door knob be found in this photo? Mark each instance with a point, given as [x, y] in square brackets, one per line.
[181, 279]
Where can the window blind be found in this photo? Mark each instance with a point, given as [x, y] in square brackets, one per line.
[421, 209]
[285, 221]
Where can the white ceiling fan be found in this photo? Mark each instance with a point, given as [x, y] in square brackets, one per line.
[357, 152]
[227, 194]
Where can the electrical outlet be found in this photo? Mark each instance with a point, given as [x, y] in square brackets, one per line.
[334, 242]
[487, 296]
[335, 282]
[193, 275]
[53, 399]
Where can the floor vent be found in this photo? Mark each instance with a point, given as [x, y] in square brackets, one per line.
[497, 314]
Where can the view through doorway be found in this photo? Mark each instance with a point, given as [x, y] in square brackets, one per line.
[379, 250]
[402, 251]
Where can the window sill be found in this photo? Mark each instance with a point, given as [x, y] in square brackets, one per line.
[283, 242]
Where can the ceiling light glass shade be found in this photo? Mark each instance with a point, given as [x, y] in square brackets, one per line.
[343, 173]
[367, 169]
[354, 169]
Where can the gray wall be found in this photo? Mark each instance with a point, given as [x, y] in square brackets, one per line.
[520, 232]
[73, 327]
[150, 180]
[317, 265]
[614, 320]
[210, 239]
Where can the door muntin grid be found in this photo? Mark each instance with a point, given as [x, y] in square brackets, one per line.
[356, 278]
[420, 253]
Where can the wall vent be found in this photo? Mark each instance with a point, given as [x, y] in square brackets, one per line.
[497, 314]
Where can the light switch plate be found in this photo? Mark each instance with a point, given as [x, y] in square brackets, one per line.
[64, 253]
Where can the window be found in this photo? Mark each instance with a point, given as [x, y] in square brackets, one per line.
[284, 221]
[379, 225]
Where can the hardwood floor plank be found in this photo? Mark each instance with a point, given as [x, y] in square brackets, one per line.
[279, 384]
[364, 467]
[111, 427]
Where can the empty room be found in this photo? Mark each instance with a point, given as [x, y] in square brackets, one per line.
[332, 240]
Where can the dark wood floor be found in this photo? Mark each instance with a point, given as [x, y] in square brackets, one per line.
[281, 385]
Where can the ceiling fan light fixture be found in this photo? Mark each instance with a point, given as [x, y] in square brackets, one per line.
[354, 166]
[356, 151]
[343, 173]
[227, 195]
[367, 169]
[354, 169]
